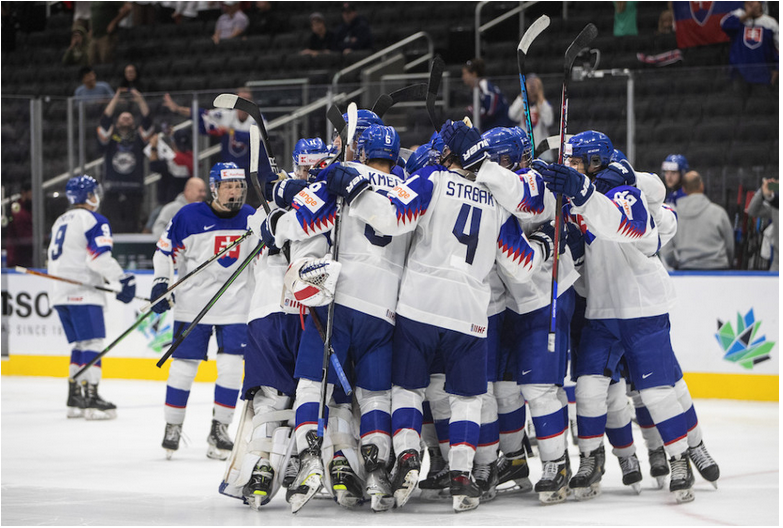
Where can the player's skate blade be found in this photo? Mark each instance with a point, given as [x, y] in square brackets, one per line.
[301, 495]
[465, 493]
[219, 443]
[407, 478]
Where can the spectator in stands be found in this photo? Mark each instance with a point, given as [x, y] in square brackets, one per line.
[494, 106]
[765, 204]
[173, 161]
[265, 20]
[91, 88]
[705, 237]
[322, 40]
[131, 78]
[104, 18]
[82, 15]
[232, 126]
[231, 24]
[541, 114]
[195, 191]
[665, 22]
[123, 179]
[754, 48]
[674, 168]
[78, 52]
[354, 33]
[19, 241]
[625, 19]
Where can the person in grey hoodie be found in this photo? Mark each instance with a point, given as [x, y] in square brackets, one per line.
[705, 238]
[765, 205]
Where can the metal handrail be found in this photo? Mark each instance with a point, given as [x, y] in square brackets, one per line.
[479, 29]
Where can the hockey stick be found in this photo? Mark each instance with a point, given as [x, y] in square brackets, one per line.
[141, 318]
[436, 73]
[21, 269]
[580, 42]
[349, 131]
[413, 92]
[535, 29]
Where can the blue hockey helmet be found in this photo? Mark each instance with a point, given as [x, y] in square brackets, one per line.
[675, 162]
[421, 157]
[228, 185]
[617, 155]
[507, 146]
[308, 152]
[79, 189]
[365, 118]
[436, 142]
[379, 142]
[595, 149]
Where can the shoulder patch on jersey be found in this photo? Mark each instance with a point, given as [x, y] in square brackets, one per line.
[309, 199]
[403, 193]
[103, 241]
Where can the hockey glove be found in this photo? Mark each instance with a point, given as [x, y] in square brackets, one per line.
[128, 291]
[545, 234]
[576, 243]
[561, 179]
[346, 182]
[267, 228]
[255, 220]
[616, 174]
[313, 281]
[271, 180]
[285, 190]
[159, 287]
[465, 142]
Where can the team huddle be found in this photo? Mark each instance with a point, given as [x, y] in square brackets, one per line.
[429, 278]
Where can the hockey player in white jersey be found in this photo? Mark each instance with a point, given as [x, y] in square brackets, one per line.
[363, 324]
[539, 373]
[197, 232]
[459, 232]
[80, 249]
[274, 330]
[629, 295]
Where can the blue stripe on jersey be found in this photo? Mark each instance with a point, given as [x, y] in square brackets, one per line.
[620, 437]
[419, 186]
[550, 425]
[407, 418]
[570, 391]
[307, 413]
[426, 412]
[176, 398]
[464, 432]
[226, 397]
[512, 422]
[530, 203]
[442, 430]
[691, 419]
[489, 433]
[375, 422]
[673, 429]
[590, 426]
[514, 245]
[633, 223]
[644, 418]
[87, 356]
[98, 237]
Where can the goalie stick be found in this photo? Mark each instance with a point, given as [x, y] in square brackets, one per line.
[413, 92]
[580, 42]
[436, 73]
[22, 269]
[535, 29]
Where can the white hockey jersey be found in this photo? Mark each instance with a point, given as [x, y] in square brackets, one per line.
[372, 264]
[459, 232]
[624, 279]
[80, 249]
[525, 195]
[195, 234]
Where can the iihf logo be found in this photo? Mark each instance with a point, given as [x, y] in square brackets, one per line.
[746, 347]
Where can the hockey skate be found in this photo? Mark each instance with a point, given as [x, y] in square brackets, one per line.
[553, 486]
[75, 400]
[171, 439]
[258, 490]
[407, 476]
[347, 488]
[486, 476]
[632, 472]
[681, 483]
[377, 487]
[513, 467]
[465, 493]
[291, 471]
[587, 481]
[436, 485]
[220, 444]
[309, 479]
[705, 465]
[95, 407]
[659, 466]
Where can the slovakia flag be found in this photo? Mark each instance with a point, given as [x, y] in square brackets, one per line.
[698, 23]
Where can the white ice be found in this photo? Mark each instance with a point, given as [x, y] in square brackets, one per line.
[57, 471]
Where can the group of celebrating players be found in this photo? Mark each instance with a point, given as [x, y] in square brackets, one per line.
[431, 278]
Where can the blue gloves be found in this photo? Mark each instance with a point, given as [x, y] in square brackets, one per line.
[159, 287]
[285, 190]
[345, 181]
[616, 174]
[561, 179]
[465, 142]
[267, 228]
[576, 243]
[128, 291]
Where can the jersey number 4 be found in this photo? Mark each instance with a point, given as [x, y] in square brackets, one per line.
[59, 238]
[470, 239]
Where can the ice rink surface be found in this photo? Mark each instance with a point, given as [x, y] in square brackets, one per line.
[57, 471]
